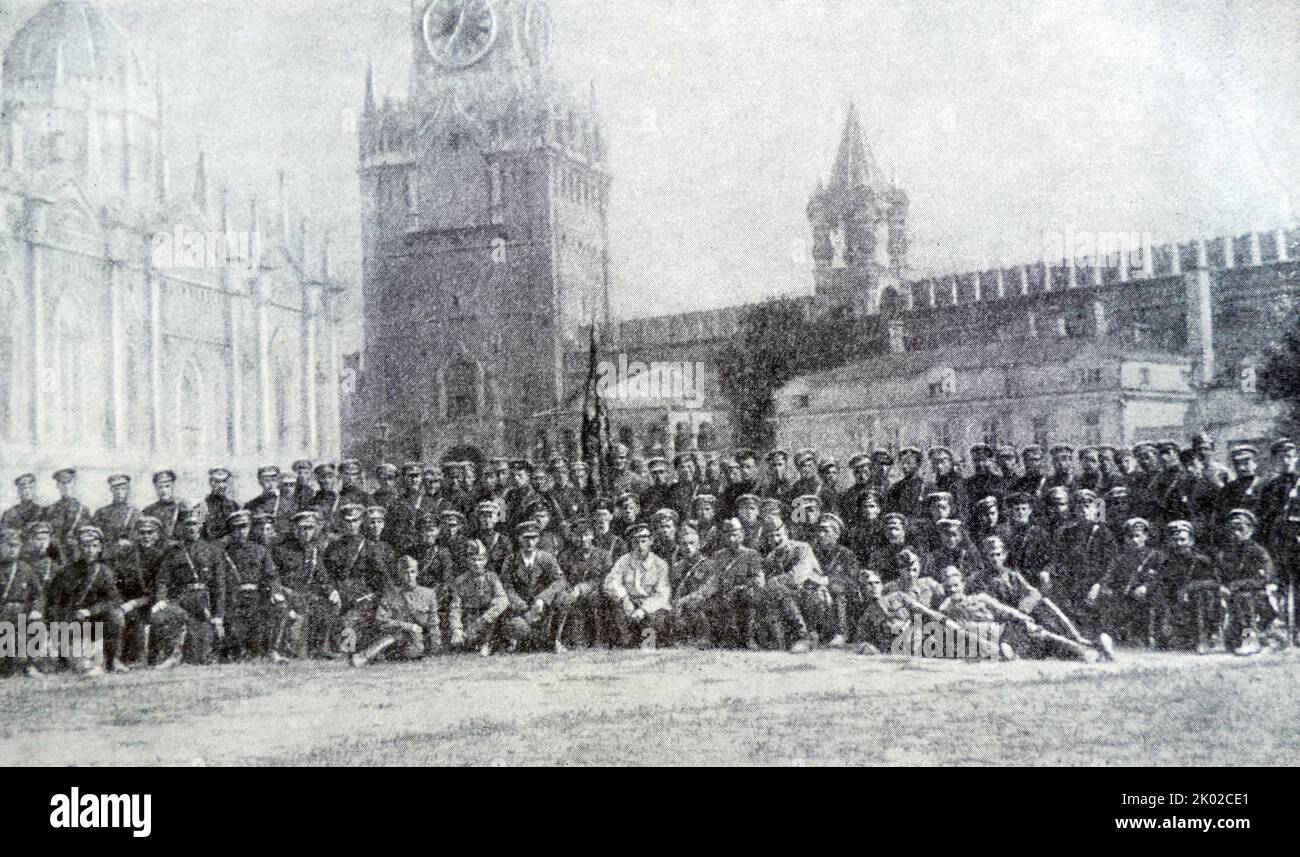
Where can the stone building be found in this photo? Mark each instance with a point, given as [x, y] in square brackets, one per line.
[485, 252]
[145, 326]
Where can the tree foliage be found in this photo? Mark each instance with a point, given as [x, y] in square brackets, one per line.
[779, 340]
[1281, 377]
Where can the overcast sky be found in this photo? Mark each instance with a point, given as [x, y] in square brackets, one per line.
[1002, 120]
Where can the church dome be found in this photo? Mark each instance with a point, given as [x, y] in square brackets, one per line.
[77, 35]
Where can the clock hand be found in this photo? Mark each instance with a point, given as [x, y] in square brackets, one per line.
[460, 20]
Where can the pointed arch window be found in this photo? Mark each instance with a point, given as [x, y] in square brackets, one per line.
[462, 390]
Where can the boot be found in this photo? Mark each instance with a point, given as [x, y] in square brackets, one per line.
[177, 653]
[1249, 643]
[648, 639]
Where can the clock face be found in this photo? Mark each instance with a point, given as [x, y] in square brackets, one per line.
[459, 33]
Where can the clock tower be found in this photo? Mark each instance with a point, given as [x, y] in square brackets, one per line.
[485, 247]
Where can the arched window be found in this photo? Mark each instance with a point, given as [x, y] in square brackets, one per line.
[682, 437]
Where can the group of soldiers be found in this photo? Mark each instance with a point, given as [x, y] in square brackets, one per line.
[1064, 551]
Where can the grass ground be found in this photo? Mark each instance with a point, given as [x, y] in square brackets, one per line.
[668, 707]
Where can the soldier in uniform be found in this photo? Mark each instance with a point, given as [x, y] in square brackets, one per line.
[1279, 511]
[521, 494]
[798, 591]
[829, 495]
[1189, 592]
[985, 481]
[327, 502]
[841, 568]
[607, 539]
[639, 592]
[663, 525]
[136, 570]
[622, 478]
[250, 581]
[538, 594]
[308, 594]
[304, 492]
[955, 549]
[478, 602]
[1192, 495]
[167, 509]
[85, 591]
[117, 518]
[586, 567]
[1010, 587]
[850, 500]
[387, 492]
[1085, 550]
[747, 512]
[67, 514]
[1243, 492]
[567, 498]
[894, 537]
[687, 485]
[726, 598]
[1090, 475]
[352, 488]
[1120, 597]
[907, 495]
[1020, 633]
[193, 574]
[866, 531]
[809, 481]
[658, 494]
[1033, 481]
[406, 508]
[220, 505]
[1144, 503]
[986, 518]
[777, 481]
[1029, 548]
[690, 572]
[22, 596]
[26, 510]
[406, 617]
[1246, 569]
[1008, 458]
[926, 533]
[1062, 468]
[39, 551]
[742, 480]
[948, 480]
[272, 501]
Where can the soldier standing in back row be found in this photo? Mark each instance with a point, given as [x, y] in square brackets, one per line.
[117, 518]
[26, 510]
[220, 505]
[167, 509]
[67, 514]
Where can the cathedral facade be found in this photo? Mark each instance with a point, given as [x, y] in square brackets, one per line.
[145, 326]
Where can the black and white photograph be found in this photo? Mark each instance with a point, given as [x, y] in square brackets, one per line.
[651, 383]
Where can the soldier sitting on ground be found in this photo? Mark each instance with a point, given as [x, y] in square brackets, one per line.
[1190, 592]
[406, 618]
[538, 593]
[1019, 634]
[22, 596]
[85, 591]
[1247, 570]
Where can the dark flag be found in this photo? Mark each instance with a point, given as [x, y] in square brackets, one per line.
[595, 423]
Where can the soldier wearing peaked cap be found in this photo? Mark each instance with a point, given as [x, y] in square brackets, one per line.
[1090, 475]
[39, 550]
[1246, 570]
[859, 467]
[829, 471]
[1243, 492]
[167, 508]
[809, 479]
[407, 623]
[538, 594]
[251, 579]
[841, 568]
[273, 501]
[585, 568]
[388, 491]
[26, 510]
[1033, 480]
[85, 591]
[1189, 592]
[907, 495]
[777, 481]
[22, 596]
[1029, 547]
[947, 479]
[351, 482]
[136, 568]
[118, 517]
[640, 594]
[67, 513]
[304, 491]
[327, 501]
[1085, 550]
[307, 601]
[193, 577]
[478, 603]
[659, 493]
[220, 504]
[985, 481]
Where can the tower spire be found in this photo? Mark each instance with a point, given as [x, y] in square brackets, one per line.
[855, 166]
[202, 190]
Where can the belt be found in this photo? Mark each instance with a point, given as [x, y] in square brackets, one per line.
[196, 587]
[248, 587]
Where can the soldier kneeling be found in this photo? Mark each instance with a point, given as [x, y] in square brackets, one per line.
[1251, 581]
[406, 617]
